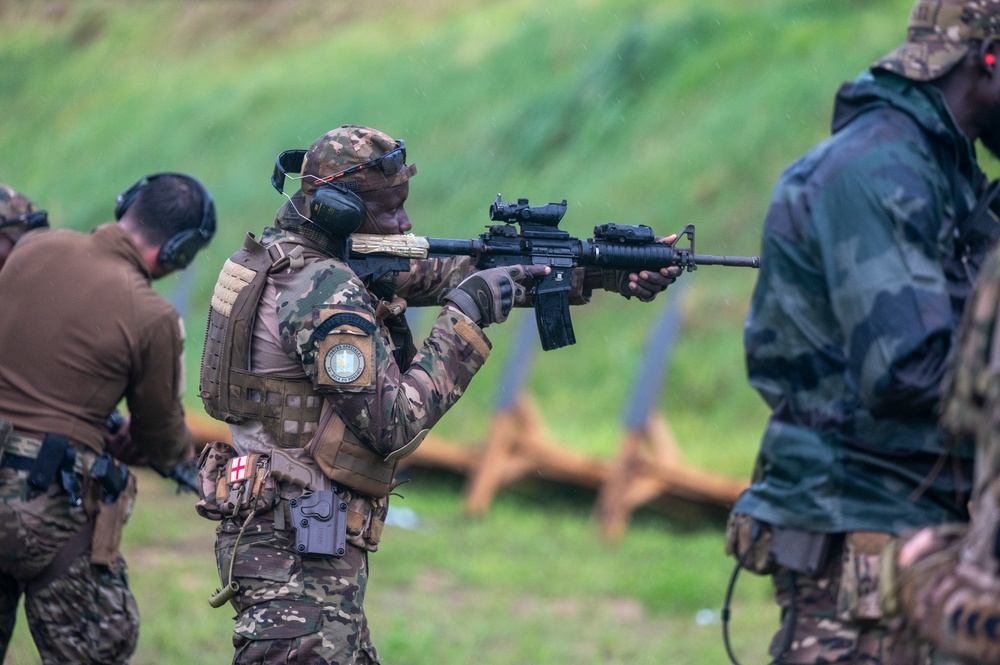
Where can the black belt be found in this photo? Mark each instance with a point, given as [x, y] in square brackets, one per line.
[17, 462]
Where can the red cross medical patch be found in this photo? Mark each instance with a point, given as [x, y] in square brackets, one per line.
[238, 469]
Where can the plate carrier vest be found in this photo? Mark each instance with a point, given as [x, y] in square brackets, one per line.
[289, 409]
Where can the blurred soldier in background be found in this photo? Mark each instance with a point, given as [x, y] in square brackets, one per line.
[948, 580]
[17, 217]
[312, 363]
[869, 250]
[82, 329]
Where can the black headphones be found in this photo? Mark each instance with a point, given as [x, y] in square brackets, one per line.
[334, 208]
[179, 249]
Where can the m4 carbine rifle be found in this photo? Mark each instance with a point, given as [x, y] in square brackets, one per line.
[539, 241]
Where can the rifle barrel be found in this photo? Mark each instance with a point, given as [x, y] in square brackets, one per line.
[737, 261]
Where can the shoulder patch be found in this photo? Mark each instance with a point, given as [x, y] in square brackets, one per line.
[345, 348]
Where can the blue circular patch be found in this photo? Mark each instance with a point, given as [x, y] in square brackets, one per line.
[344, 363]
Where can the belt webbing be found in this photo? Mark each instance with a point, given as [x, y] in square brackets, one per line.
[22, 450]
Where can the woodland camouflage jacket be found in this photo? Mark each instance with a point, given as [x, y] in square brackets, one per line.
[865, 268]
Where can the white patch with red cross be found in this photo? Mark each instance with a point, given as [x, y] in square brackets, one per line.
[238, 468]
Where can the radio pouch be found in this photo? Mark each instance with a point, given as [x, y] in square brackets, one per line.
[804, 552]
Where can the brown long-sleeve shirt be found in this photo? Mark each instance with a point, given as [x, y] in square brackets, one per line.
[80, 328]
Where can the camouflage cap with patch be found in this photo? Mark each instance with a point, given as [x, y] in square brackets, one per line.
[938, 36]
[350, 145]
[12, 206]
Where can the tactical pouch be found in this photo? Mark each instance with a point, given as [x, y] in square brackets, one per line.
[111, 478]
[365, 521]
[347, 461]
[749, 541]
[858, 597]
[109, 523]
[212, 465]
[246, 486]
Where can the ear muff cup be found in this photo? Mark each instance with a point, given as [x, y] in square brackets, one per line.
[178, 250]
[336, 210]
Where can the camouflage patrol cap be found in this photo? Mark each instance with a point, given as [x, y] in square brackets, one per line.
[938, 36]
[13, 206]
[350, 145]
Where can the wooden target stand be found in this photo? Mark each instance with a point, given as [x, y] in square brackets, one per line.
[517, 446]
[649, 468]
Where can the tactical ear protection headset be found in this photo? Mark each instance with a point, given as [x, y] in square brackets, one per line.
[179, 249]
[334, 208]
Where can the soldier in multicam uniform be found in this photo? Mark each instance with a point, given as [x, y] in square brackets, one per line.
[82, 329]
[869, 251]
[313, 365]
[17, 216]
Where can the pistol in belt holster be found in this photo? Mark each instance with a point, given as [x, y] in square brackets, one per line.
[319, 516]
[113, 487]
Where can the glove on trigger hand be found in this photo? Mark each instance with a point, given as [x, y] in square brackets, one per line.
[488, 296]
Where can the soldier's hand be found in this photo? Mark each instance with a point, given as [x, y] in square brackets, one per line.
[118, 442]
[644, 284]
[488, 296]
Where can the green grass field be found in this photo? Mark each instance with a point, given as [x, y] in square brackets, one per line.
[634, 111]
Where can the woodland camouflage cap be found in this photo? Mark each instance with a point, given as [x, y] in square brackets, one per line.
[938, 36]
[350, 145]
[12, 206]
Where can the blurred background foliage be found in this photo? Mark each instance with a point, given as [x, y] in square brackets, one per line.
[634, 111]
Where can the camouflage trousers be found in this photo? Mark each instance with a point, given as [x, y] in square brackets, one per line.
[836, 617]
[294, 608]
[85, 615]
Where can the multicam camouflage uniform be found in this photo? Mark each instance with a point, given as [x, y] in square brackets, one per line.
[310, 608]
[85, 614]
[948, 582]
[868, 255]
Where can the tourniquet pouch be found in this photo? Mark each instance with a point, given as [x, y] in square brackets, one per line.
[858, 598]
[212, 465]
[109, 523]
[246, 486]
[749, 540]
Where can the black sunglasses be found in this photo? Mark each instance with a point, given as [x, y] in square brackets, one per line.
[290, 161]
[35, 220]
